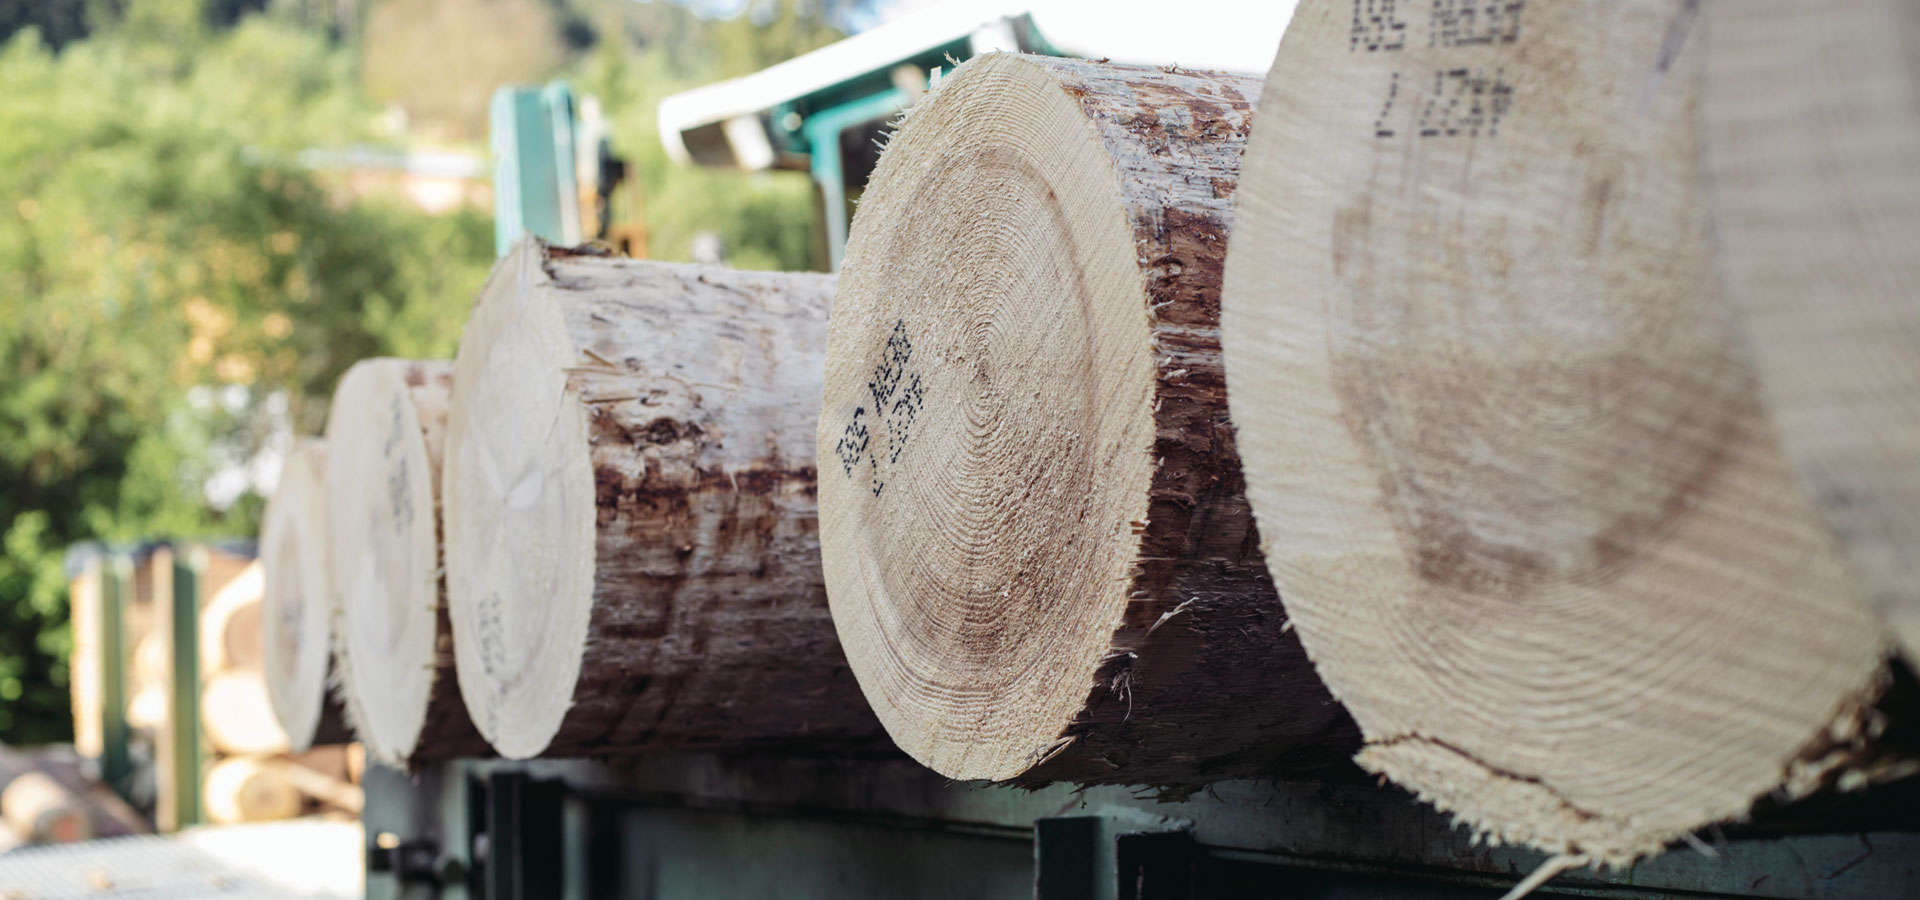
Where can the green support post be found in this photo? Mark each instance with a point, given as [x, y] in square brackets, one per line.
[822, 131]
[183, 719]
[531, 133]
[116, 584]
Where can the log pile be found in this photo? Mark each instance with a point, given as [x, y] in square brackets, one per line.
[1578, 418]
[1514, 470]
[46, 799]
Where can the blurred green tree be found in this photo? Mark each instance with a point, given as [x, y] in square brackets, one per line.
[174, 280]
[155, 240]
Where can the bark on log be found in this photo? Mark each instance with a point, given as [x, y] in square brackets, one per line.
[1813, 127]
[1511, 464]
[631, 535]
[297, 615]
[1037, 544]
[386, 433]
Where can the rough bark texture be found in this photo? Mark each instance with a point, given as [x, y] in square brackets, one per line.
[332, 727]
[709, 625]
[1191, 690]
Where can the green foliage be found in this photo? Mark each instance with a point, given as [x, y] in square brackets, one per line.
[766, 220]
[159, 245]
[154, 238]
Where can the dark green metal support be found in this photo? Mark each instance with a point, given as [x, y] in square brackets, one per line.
[822, 131]
[534, 190]
[184, 753]
[116, 589]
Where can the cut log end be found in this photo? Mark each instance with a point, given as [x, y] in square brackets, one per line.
[239, 717]
[1813, 138]
[1512, 471]
[1024, 467]
[244, 789]
[520, 513]
[297, 621]
[1023, 340]
[384, 435]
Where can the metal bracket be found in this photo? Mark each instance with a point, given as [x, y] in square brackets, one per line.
[521, 852]
[415, 862]
[1114, 854]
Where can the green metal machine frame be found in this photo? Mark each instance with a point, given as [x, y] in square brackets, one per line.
[534, 186]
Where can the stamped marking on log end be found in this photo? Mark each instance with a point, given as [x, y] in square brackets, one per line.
[895, 391]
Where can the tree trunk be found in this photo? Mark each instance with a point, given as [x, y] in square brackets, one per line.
[1513, 471]
[1813, 146]
[1036, 540]
[386, 431]
[296, 620]
[631, 536]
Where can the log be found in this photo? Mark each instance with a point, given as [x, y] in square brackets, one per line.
[296, 619]
[108, 815]
[1512, 468]
[85, 596]
[326, 788]
[1037, 544]
[245, 789]
[230, 626]
[238, 716]
[631, 532]
[42, 811]
[37, 806]
[147, 710]
[1813, 145]
[386, 432]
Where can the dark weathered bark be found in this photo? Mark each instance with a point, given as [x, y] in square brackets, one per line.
[1221, 687]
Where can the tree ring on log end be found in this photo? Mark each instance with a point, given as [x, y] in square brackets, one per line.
[519, 514]
[297, 616]
[1505, 445]
[987, 430]
[384, 550]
